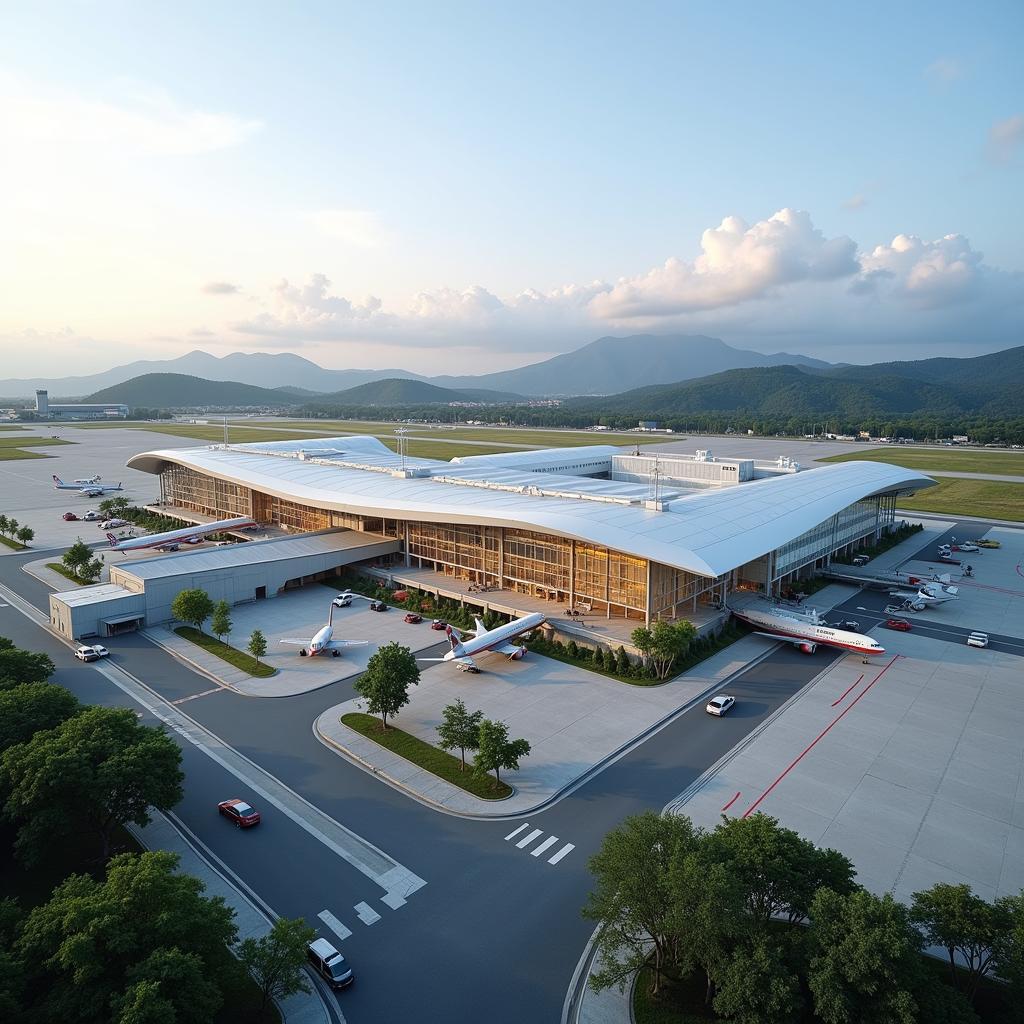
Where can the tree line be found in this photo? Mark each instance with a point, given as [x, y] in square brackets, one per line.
[773, 928]
[96, 950]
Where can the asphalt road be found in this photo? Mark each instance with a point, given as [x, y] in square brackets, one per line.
[495, 930]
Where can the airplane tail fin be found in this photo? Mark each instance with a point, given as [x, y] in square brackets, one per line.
[330, 615]
[480, 627]
[454, 639]
[113, 540]
[57, 480]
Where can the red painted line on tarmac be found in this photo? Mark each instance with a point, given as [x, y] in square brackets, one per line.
[731, 802]
[859, 678]
[750, 810]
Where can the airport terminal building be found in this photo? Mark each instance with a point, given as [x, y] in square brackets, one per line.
[639, 537]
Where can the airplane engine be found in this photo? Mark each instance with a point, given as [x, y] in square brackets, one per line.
[336, 654]
[808, 648]
[302, 652]
[521, 653]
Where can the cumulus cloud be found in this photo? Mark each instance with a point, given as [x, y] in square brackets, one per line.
[737, 263]
[136, 120]
[359, 228]
[220, 288]
[928, 274]
[1005, 138]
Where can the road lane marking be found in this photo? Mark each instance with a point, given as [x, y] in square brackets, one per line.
[530, 838]
[512, 835]
[732, 801]
[334, 924]
[193, 696]
[564, 851]
[839, 700]
[550, 841]
[366, 913]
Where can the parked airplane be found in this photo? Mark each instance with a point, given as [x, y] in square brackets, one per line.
[805, 630]
[322, 640]
[498, 640]
[923, 596]
[171, 538]
[91, 488]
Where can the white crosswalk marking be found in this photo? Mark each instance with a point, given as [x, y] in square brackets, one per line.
[567, 849]
[334, 924]
[550, 841]
[512, 835]
[366, 913]
[529, 839]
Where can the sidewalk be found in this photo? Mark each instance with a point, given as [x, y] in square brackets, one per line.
[160, 834]
[576, 721]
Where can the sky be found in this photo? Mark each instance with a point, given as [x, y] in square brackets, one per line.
[464, 187]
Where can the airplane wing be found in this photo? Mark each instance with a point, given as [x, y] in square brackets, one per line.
[341, 644]
[509, 650]
[295, 641]
[784, 639]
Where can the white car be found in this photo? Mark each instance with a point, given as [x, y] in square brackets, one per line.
[977, 640]
[342, 600]
[92, 516]
[720, 704]
[113, 524]
[91, 652]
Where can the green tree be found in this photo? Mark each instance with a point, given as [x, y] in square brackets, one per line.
[257, 644]
[1009, 949]
[865, 959]
[663, 644]
[3, 525]
[114, 506]
[143, 1003]
[25, 534]
[12, 527]
[144, 924]
[386, 681]
[18, 666]
[76, 556]
[459, 730]
[31, 708]
[633, 901]
[91, 570]
[962, 923]
[622, 662]
[276, 960]
[220, 627]
[12, 972]
[496, 751]
[778, 869]
[194, 606]
[93, 773]
[757, 985]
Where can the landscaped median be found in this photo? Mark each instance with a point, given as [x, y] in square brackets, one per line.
[233, 656]
[431, 759]
[68, 574]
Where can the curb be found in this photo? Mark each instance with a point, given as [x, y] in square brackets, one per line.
[573, 784]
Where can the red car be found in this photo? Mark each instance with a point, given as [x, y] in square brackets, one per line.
[439, 624]
[70, 517]
[241, 814]
[413, 618]
[901, 624]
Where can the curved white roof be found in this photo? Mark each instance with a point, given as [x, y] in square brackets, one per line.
[708, 533]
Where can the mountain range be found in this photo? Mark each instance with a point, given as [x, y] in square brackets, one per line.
[605, 366]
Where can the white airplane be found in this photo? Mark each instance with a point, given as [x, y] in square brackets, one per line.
[924, 595]
[169, 540]
[322, 640]
[497, 640]
[91, 488]
[805, 630]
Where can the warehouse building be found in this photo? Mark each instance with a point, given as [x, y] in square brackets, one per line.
[524, 523]
[46, 410]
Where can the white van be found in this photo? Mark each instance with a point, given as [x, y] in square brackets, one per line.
[329, 964]
[977, 640]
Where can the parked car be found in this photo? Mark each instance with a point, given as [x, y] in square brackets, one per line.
[329, 964]
[852, 625]
[86, 653]
[378, 606]
[70, 517]
[239, 813]
[467, 666]
[113, 524]
[989, 543]
[720, 704]
[167, 547]
[101, 651]
[439, 624]
[92, 516]
[966, 546]
[977, 640]
[861, 560]
[901, 624]
[194, 540]
[343, 600]
[413, 617]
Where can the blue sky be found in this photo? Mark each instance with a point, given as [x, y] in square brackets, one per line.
[403, 184]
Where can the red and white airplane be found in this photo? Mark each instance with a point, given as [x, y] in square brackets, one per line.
[485, 641]
[322, 640]
[172, 538]
[806, 630]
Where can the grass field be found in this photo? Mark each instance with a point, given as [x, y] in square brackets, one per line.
[950, 461]
[233, 656]
[437, 762]
[993, 499]
[14, 448]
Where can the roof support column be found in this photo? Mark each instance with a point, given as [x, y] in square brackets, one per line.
[572, 574]
[647, 597]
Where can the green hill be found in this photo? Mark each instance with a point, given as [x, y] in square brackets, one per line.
[179, 391]
[400, 391]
